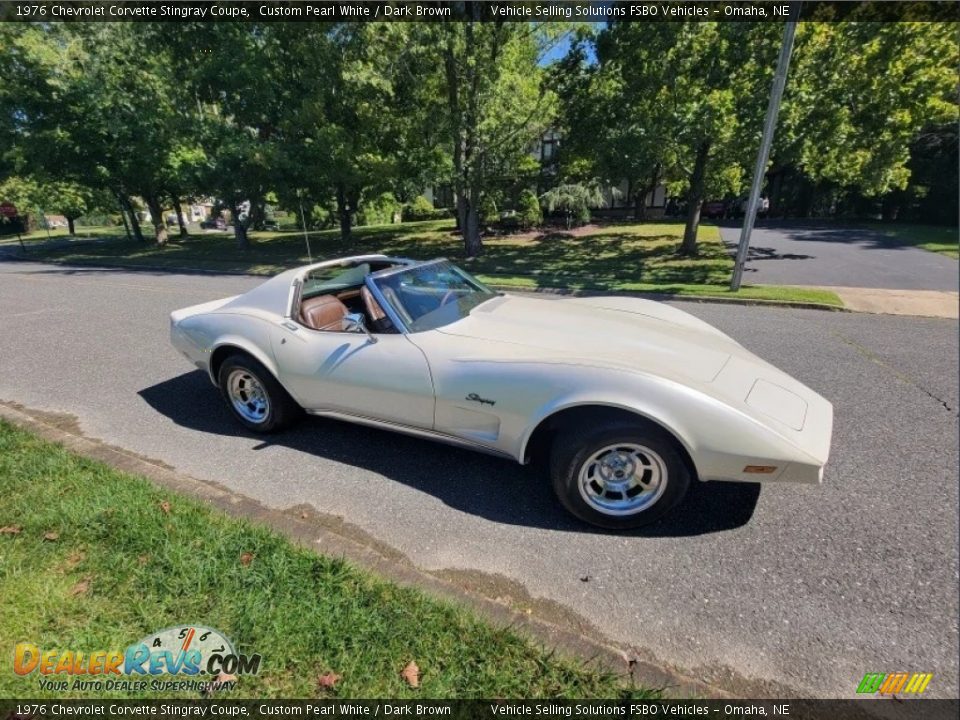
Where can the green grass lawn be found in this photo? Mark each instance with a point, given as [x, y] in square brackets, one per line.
[618, 257]
[118, 564]
[935, 238]
[82, 231]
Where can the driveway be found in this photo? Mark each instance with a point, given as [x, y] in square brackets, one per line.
[793, 590]
[826, 255]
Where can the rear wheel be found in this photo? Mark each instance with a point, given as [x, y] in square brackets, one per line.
[618, 475]
[254, 396]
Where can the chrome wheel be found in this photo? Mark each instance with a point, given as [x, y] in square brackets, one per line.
[248, 396]
[622, 479]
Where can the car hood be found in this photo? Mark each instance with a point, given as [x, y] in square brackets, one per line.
[629, 333]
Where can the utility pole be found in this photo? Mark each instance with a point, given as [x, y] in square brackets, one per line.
[769, 125]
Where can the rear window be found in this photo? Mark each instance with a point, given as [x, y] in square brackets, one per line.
[333, 279]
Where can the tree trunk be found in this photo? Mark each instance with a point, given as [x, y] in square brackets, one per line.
[258, 213]
[695, 200]
[472, 243]
[134, 221]
[640, 199]
[156, 216]
[180, 221]
[461, 213]
[640, 204]
[889, 207]
[776, 190]
[70, 227]
[807, 197]
[344, 213]
[240, 228]
[123, 216]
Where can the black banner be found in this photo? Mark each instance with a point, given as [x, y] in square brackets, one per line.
[523, 11]
[888, 708]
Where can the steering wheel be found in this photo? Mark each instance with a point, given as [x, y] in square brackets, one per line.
[447, 297]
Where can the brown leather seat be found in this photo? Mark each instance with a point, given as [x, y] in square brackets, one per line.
[324, 312]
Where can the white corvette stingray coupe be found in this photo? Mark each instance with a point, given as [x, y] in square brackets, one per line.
[628, 399]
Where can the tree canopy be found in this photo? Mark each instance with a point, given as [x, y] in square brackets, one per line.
[345, 116]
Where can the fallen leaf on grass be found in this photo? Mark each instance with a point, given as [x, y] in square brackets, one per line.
[51, 536]
[328, 680]
[11, 530]
[80, 588]
[246, 558]
[165, 506]
[411, 673]
[215, 684]
[143, 560]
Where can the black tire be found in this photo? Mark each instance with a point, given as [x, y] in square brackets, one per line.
[281, 410]
[575, 447]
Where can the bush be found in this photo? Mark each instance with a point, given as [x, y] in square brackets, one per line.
[488, 210]
[379, 210]
[420, 209]
[99, 219]
[528, 210]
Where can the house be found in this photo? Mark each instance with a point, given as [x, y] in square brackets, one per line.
[193, 212]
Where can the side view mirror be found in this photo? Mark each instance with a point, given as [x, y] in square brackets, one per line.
[354, 322]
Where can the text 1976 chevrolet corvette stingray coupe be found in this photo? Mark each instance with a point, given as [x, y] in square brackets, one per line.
[629, 399]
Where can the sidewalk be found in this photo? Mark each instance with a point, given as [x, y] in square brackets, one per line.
[925, 303]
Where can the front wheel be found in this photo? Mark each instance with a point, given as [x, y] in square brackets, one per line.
[254, 396]
[618, 475]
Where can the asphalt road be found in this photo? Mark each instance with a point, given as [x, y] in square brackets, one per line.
[802, 587]
[812, 254]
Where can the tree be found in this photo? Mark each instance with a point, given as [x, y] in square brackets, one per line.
[232, 73]
[574, 200]
[337, 139]
[676, 101]
[92, 110]
[612, 123]
[496, 104]
[859, 94]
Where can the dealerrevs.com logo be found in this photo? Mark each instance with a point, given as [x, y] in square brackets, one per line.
[189, 657]
[892, 683]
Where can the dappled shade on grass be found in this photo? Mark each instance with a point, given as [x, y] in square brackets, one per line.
[146, 560]
[640, 257]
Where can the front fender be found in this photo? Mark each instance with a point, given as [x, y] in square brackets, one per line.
[720, 440]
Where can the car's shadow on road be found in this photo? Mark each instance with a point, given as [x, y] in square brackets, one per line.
[474, 483]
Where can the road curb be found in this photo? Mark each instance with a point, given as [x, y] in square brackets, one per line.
[309, 534]
[507, 288]
[673, 297]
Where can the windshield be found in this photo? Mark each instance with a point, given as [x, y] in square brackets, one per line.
[432, 295]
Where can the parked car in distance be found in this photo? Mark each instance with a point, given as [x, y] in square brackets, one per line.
[713, 209]
[627, 400]
[738, 207]
[217, 223]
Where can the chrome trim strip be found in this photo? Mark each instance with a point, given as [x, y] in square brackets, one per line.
[294, 300]
[387, 272]
[414, 431]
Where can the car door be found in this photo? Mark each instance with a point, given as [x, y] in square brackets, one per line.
[346, 372]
